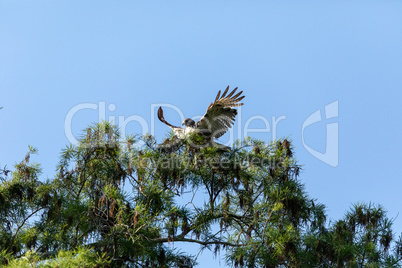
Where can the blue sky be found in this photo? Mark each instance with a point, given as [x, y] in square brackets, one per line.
[291, 58]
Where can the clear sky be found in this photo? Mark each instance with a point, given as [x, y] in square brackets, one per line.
[291, 58]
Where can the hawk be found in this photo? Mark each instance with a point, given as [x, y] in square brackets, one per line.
[217, 120]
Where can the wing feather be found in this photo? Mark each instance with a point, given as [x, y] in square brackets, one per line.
[237, 95]
[239, 99]
[217, 96]
[220, 115]
[162, 119]
[231, 93]
[178, 131]
[224, 93]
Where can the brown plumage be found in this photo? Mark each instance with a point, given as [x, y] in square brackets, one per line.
[257, 149]
[217, 120]
[162, 119]
[220, 115]
[286, 146]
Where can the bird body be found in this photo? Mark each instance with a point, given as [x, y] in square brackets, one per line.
[183, 133]
[217, 120]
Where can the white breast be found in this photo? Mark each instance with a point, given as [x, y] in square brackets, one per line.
[183, 133]
[189, 130]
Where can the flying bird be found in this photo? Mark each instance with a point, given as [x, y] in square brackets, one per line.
[217, 120]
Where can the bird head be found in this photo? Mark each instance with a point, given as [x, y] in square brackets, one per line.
[188, 122]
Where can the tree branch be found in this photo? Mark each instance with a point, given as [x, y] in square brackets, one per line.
[204, 243]
[23, 222]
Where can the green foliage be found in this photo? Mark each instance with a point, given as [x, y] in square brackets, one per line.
[114, 203]
[81, 257]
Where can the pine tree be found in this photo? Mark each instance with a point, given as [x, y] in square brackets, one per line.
[115, 204]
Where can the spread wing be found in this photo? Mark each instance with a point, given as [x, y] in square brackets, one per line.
[177, 130]
[220, 115]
